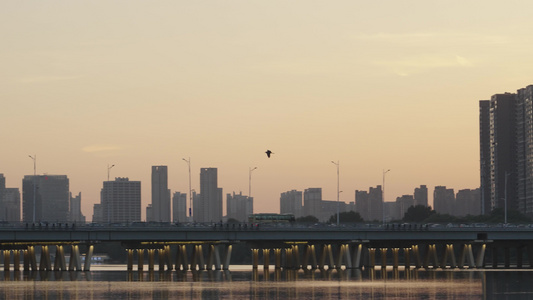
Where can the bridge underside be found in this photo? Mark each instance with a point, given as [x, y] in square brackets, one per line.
[207, 255]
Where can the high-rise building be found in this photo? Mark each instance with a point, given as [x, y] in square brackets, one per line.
[290, 202]
[443, 200]
[502, 151]
[362, 204]
[375, 198]
[160, 194]
[210, 199]
[312, 201]
[121, 201]
[524, 149]
[75, 209]
[468, 202]
[485, 163]
[45, 198]
[506, 151]
[98, 213]
[421, 195]
[239, 206]
[402, 205]
[10, 205]
[179, 207]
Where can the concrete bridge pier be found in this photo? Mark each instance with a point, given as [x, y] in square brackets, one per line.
[16, 260]
[140, 259]
[181, 258]
[214, 257]
[75, 258]
[407, 258]
[431, 257]
[277, 258]
[327, 254]
[310, 254]
[371, 258]
[88, 258]
[7, 260]
[151, 259]
[383, 258]
[130, 259]
[45, 263]
[255, 258]
[59, 262]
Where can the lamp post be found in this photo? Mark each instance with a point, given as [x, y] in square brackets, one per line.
[109, 168]
[34, 157]
[190, 191]
[383, 195]
[250, 181]
[338, 204]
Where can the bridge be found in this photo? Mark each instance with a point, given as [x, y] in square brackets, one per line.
[293, 247]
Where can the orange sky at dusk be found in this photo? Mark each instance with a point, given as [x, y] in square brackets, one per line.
[373, 84]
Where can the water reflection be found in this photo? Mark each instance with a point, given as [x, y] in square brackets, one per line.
[263, 284]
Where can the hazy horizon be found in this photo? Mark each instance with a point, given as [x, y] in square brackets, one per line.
[375, 85]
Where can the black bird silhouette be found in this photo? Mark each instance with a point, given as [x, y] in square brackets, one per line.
[268, 152]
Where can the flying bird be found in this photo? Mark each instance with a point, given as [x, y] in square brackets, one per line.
[268, 152]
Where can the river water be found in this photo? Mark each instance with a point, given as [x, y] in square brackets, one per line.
[111, 282]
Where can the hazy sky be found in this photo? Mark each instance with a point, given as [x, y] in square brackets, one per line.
[374, 84]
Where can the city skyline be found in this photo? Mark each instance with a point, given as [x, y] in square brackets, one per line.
[374, 86]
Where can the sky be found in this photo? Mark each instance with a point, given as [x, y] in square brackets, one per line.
[374, 85]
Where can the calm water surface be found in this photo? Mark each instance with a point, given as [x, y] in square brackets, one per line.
[110, 282]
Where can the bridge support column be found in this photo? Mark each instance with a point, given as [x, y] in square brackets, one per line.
[197, 258]
[395, 258]
[431, 256]
[296, 257]
[75, 259]
[151, 259]
[310, 254]
[32, 258]
[448, 255]
[480, 259]
[213, 257]
[16, 260]
[7, 260]
[358, 249]
[277, 258]
[255, 258]
[26, 255]
[162, 259]
[266, 259]
[227, 256]
[181, 258]
[384, 258]
[140, 259]
[130, 259]
[88, 258]
[327, 254]
[170, 265]
[468, 255]
[371, 257]
[289, 264]
[417, 258]
[46, 263]
[60, 262]
[347, 257]
[494, 256]
[407, 258]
